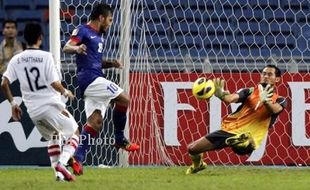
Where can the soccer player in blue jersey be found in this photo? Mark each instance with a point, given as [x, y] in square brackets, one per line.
[87, 43]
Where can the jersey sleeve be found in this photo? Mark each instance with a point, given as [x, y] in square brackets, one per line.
[243, 94]
[77, 35]
[51, 70]
[10, 72]
[282, 101]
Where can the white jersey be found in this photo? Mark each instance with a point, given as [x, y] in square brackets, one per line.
[36, 71]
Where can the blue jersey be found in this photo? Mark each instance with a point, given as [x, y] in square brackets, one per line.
[89, 67]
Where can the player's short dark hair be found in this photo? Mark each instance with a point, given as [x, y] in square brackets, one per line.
[277, 70]
[32, 32]
[9, 21]
[100, 9]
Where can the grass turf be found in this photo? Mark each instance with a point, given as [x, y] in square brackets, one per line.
[161, 178]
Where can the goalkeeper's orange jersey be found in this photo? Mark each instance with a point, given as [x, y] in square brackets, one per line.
[248, 119]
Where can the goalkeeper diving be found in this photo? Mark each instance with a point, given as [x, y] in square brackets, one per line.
[244, 129]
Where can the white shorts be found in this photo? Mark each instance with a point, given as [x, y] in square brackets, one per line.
[99, 94]
[53, 121]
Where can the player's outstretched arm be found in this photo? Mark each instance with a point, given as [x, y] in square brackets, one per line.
[72, 47]
[231, 98]
[222, 94]
[63, 91]
[16, 110]
[274, 108]
[265, 95]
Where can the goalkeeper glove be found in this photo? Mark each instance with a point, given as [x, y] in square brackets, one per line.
[219, 88]
[265, 94]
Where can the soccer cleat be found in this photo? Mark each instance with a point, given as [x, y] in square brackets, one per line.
[127, 145]
[240, 139]
[63, 170]
[193, 170]
[76, 166]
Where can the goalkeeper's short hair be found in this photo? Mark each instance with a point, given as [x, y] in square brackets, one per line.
[243, 148]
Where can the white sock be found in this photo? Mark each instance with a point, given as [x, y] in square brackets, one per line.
[68, 149]
[53, 150]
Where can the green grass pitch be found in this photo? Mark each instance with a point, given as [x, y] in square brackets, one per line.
[161, 178]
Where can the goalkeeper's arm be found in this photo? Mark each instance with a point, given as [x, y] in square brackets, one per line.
[274, 108]
[231, 98]
[265, 95]
[222, 94]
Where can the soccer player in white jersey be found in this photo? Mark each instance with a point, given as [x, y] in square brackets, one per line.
[41, 92]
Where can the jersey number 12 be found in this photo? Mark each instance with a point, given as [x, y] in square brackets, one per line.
[35, 71]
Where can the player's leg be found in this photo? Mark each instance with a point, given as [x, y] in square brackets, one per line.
[49, 133]
[68, 127]
[54, 150]
[70, 146]
[90, 130]
[97, 98]
[212, 141]
[241, 144]
[99, 94]
[64, 123]
[95, 108]
[195, 150]
[243, 139]
[121, 103]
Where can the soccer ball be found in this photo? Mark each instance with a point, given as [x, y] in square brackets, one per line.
[203, 88]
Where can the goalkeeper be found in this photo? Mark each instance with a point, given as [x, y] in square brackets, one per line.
[244, 129]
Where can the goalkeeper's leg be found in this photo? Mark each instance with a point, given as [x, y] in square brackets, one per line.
[242, 139]
[212, 141]
[195, 151]
[198, 164]
[241, 144]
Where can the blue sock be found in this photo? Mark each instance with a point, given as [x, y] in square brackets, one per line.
[87, 133]
[119, 120]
